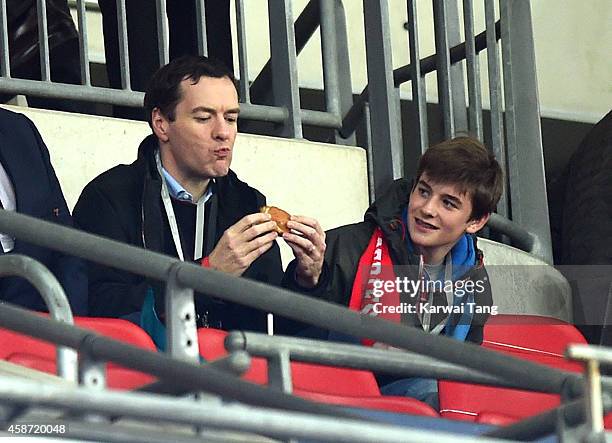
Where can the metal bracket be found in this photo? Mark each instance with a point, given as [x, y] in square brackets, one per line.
[593, 403]
[181, 332]
[279, 372]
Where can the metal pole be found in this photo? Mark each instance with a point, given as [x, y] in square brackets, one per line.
[279, 301]
[305, 26]
[523, 128]
[329, 52]
[83, 44]
[196, 377]
[243, 59]
[407, 364]
[403, 74]
[181, 331]
[387, 152]
[495, 95]
[124, 57]
[473, 72]
[522, 238]
[55, 298]
[369, 160]
[419, 94]
[342, 62]
[162, 33]
[43, 40]
[201, 27]
[284, 66]
[270, 422]
[5, 65]
[445, 92]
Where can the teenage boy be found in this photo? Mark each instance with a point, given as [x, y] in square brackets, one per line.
[414, 259]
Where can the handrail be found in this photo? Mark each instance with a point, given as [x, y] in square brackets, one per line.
[279, 301]
[520, 236]
[236, 363]
[262, 421]
[304, 27]
[538, 426]
[406, 364]
[198, 377]
[55, 298]
[402, 75]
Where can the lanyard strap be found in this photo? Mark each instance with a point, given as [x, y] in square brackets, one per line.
[200, 214]
[428, 296]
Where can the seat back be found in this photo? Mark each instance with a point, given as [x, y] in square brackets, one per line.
[40, 355]
[305, 376]
[535, 338]
[402, 405]
[321, 383]
[523, 284]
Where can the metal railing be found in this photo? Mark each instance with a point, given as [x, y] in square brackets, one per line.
[282, 302]
[513, 96]
[503, 368]
[281, 349]
[55, 299]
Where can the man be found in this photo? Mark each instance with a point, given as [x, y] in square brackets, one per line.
[180, 198]
[29, 186]
[414, 257]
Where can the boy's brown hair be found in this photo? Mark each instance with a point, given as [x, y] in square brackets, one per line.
[466, 163]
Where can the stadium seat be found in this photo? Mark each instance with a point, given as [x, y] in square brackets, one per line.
[37, 354]
[305, 376]
[402, 405]
[326, 384]
[535, 338]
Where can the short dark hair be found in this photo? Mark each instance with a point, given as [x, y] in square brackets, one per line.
[465, 162]
[164, 90]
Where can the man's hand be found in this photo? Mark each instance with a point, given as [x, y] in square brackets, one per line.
[308, 245]
[242, 243]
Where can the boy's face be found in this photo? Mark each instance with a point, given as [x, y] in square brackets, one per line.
[438, 214]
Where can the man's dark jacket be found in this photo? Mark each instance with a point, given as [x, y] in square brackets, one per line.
[124, 204]
[25, 158]
[346, 245]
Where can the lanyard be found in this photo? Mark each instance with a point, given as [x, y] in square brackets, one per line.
[200, 213]
[428, 296]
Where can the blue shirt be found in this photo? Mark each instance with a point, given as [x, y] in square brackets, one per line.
[177, 191]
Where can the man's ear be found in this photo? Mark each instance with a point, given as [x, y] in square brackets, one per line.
[160, 125]
[473, 226]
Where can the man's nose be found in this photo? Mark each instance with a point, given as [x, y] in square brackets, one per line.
[222, 129]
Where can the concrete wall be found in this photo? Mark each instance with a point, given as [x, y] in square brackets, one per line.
[327, 182]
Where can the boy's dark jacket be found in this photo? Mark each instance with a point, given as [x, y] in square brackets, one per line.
[346, 244]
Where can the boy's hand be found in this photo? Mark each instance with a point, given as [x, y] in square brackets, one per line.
[242, 243]
[308, 245]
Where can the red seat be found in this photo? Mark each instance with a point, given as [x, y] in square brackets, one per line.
[305, 376]
[327, 384]
[402, 405]
[40, 355]
[539, 339]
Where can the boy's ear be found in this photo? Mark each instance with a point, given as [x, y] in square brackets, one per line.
[473, 226]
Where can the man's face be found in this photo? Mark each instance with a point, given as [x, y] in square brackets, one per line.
[438, 215]
[198, 144]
